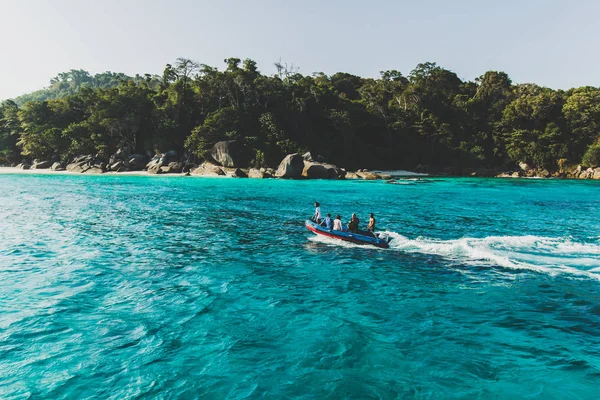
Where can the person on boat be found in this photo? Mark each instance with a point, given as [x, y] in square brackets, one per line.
[337, 223]
[317, 216]
[353, 224]
[328, 222]
[371, 226]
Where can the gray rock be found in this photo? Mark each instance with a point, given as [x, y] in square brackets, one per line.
[319, 171]
[137, 162]
[155, 169]
[524, 166]
[234, 172]
[80, 166]
[208, 169]
[308, 157]
[257, 173]
[57, 166]
[23, 166]
[230, 154]
[291, 166]
[368, 176]
[596, 174]
[162, 160]
[119, 166]
[174, 167]
[94, 169]
[41, 164]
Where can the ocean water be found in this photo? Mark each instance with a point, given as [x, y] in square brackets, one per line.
[120, 287]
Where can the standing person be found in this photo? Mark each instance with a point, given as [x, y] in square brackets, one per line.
[353, 224]
[317, 216]
[337, 223]
[371, 226]
[328, 222]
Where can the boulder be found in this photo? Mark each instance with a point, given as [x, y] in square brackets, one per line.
[94, 169]
[368, 176]
[80, 166]
[162, 160]
[234, 173]
[231, 154]
[57, 166]
[351, 175]
[41, 164]
[187, 167]
[137, 162]
[256, 173]
[596, 174]
[385, 176]
[308, 156]
[81, 158]
[122, 154]
[515, 175]
[174, 167]
[315, 170]
[524, 166]
[155, 169]
[291, 166]
[119, 166]
[23, 165]
[208, 169]
[544, 173]
[85, 163]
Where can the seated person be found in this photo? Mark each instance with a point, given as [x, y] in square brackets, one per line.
[327, 222]
[337, 223]
[353, 224]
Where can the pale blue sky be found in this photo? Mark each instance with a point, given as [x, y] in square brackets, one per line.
[552, 43]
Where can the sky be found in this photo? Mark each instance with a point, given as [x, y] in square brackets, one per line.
[551, 43]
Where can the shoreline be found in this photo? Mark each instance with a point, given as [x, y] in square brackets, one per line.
[384, 175]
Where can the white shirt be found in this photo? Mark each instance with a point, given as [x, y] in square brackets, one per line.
[318, 212]
[337, 225]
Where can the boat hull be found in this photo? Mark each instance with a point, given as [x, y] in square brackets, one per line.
[347, 236]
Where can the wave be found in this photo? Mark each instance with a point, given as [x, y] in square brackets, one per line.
[534, 253]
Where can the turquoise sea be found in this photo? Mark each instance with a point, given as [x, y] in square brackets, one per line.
[124, 287]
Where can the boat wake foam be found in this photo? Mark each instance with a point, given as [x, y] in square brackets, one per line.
[534, 253]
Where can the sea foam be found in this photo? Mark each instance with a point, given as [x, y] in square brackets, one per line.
[534, 253]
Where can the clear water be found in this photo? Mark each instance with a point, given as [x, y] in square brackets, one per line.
[156, 287]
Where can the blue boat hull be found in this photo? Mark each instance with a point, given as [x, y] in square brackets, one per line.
[347, 236]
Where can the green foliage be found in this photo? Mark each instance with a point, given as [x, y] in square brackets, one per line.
[430, 117]
[591, 158]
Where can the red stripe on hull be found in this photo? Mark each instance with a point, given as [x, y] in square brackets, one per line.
[310, 228]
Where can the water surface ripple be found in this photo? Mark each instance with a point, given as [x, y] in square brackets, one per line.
[121, 287]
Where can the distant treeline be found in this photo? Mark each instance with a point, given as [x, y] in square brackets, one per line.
[430, 117]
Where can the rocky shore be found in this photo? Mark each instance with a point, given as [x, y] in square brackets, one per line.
[229, 159]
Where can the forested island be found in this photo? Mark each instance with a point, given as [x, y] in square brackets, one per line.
[428, 121]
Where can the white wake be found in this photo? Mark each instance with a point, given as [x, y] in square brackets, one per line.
[535, 253]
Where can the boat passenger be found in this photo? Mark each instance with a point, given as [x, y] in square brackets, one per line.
[337, 223]
[317, 216]
[353, 224]
[328, 222]
[371, 226]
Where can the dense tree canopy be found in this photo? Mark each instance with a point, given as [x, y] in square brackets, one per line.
[430, 117]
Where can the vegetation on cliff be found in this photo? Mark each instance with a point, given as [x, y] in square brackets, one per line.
[430, 117]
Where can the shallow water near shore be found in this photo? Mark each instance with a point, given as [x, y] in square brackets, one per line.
[124, 287]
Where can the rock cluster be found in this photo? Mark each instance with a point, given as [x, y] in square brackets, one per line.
[87, 164]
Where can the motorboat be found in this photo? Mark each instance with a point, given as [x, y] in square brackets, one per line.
[360, 237]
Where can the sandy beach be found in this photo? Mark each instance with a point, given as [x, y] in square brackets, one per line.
[13, 170]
